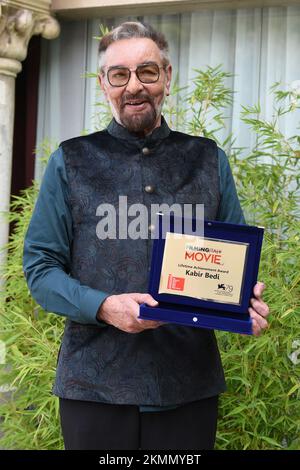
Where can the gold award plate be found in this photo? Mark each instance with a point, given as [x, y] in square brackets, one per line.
[203, 268]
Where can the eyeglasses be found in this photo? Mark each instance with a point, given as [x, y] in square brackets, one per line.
[146, 73]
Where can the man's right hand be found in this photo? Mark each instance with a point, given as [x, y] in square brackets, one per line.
[122, 312]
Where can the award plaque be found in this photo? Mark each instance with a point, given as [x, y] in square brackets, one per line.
[203, 279]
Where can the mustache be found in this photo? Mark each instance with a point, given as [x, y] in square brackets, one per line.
[137, 97]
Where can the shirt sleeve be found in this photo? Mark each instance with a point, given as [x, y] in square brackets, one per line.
[47, 252]
[229, 208]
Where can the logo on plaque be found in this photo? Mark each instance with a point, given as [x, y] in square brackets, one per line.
[175, 283]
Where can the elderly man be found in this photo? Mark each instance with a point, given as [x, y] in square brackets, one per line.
[123, 382]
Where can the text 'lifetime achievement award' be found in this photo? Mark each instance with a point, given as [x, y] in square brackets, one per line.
[203, 280]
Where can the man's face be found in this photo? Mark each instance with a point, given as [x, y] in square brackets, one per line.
[137, 106]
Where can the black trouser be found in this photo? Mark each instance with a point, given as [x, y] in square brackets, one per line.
[98, 426]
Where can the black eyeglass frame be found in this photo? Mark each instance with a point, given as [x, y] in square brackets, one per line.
[120, 67]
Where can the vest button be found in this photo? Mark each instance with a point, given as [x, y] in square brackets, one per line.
[145, 151]
[149, 188]
[151, 228]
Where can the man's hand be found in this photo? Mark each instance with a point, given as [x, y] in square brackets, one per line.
[259, 310]
[122, 312]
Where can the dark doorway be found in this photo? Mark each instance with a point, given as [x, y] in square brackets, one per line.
[26, 104]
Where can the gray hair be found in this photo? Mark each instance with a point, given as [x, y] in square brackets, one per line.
[133, 29]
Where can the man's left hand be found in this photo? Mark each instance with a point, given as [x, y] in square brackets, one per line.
[259, 310]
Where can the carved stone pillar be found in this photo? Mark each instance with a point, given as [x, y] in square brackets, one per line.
[19, 21]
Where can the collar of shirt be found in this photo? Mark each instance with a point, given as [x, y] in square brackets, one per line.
[120, 132]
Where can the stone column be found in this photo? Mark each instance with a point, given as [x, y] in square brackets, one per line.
[19, 21]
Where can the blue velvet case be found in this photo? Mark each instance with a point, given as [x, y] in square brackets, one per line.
[202, 313]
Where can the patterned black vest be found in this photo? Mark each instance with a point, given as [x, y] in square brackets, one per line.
[169, 365]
